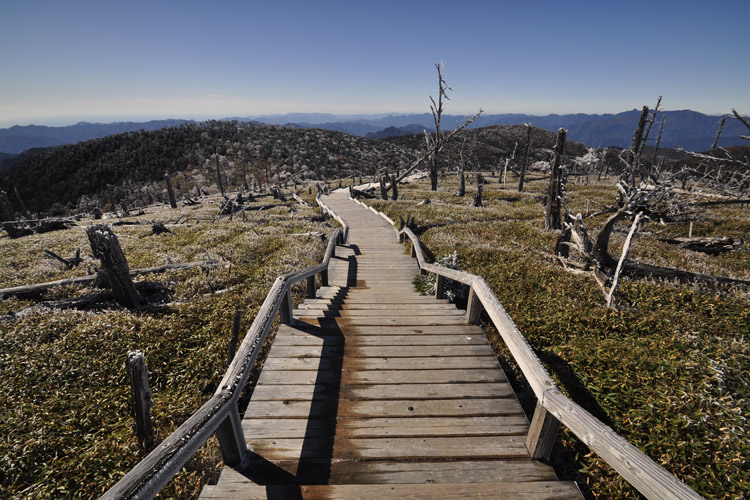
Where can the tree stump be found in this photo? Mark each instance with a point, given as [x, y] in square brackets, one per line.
[556, 186]
[142, 402]
[106, 248]
[170, 192]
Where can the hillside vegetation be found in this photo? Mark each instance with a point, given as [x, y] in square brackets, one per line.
[668, 371]
[65, 393]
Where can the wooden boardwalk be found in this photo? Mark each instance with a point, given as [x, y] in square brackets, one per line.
[377, 392]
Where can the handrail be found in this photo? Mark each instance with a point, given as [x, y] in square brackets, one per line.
[219, 414]
[325, 208]
[648, 477]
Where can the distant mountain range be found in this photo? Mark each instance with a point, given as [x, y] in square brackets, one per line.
[686, 129]
[20, 138]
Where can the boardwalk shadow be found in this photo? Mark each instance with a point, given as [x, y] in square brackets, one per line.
[316, 453]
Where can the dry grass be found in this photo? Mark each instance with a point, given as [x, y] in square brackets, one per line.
[668, 371]
[64, 396]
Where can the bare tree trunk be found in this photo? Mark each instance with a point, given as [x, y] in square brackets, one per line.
[625, 252]
[170, 192]
[394, 187]
[461, 180]
[556, 185]
[142, 402]
[525, 163]
[477, 201]
[218, 174]
[383, 189]
[244, 172]
[106, 248]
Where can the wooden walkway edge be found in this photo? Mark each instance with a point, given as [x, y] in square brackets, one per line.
[377, 392]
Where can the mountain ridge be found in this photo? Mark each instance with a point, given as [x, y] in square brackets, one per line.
[686, 129]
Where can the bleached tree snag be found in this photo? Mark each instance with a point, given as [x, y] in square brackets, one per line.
[556, 187]
[476, 202]
[394, 188]
[437, 112]
[244, 171]
[218, 173]
[170, 192]
[141, 398]
[718, 134]
[525, 163]
[658, 141]
[106, 248]
[625, 252]
[383, 189]
[461, 180]
[232, 349]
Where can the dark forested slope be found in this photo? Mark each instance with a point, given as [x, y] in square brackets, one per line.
[61, 175]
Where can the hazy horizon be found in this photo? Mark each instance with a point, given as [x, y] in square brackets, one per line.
[68, 121]
[92, 61]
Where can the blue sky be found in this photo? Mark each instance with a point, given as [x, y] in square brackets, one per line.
[62, 62]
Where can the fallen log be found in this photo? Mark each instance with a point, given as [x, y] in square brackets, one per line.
[712, 245]
[31, 291]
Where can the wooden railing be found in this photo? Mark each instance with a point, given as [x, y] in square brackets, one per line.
[553, 407]
[220, 414]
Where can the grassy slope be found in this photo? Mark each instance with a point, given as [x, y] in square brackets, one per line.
[64, 393]
[668, 372]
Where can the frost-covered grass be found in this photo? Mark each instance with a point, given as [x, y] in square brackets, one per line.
[64, 393]
[669, 372]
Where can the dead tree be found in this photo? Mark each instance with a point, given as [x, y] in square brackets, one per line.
[437, 112]
[141, 399]
[477, 200]
[218, 173]
[383, 189]
[525, 163]
[556, 187]
[106, 248]
[394, 187]
[244, 171]
[170, 192]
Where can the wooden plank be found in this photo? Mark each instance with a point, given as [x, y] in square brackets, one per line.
[382, 376]
[326, 408]
[268, 392]
[357, 314]
[381, 340]
[372, 472]
[537, 490]
[385, 427]
[396, 448]
[365, 364]
[281, 351]
[403, 321]
[330, 327]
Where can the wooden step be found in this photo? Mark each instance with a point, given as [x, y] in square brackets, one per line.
[521, 490]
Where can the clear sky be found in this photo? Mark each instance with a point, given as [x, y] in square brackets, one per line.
[61, 62]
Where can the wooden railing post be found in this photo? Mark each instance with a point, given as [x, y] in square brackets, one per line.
[231, 438]
[311, 287]
[232, 349]
[542, 433]
[142, 402]
[324, 278]
[286, 308]
[439, 286]
[473, 308]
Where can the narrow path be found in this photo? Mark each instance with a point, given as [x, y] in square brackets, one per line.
[378, 392]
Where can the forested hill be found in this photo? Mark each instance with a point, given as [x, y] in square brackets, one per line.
[113, 167]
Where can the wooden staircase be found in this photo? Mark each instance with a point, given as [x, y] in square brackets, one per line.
[376, 392]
